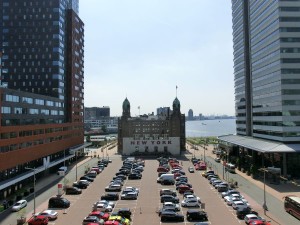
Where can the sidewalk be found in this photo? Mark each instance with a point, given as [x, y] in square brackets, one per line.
[54, 179]
[278, 191]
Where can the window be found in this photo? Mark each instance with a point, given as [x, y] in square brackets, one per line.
[5, 110]
[12, 98]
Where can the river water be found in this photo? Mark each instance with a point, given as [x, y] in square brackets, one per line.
[207, 128]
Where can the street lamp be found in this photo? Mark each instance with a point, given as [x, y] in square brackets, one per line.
[33, 169]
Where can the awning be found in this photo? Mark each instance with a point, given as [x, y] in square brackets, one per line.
[260, 145]
[78, 147]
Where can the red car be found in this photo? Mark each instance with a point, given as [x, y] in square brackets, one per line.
[100, 215]
[162, 169]
[184, 188]
[259, 222]
[202, 166]
[112, 222]
[38, 220]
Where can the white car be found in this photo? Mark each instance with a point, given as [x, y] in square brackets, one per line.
[237, 204]
[51, 214]
[229, 197]
[250, 217]
[112, 204]
[190, 202]
[19, 205]
[171, 204]
[104, 207]
[192, 197]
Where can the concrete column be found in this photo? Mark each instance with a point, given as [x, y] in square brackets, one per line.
[284, 169]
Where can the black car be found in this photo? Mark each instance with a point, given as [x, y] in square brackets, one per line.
[134, 176]
[73, 191]
[110, 196]
[242, 212]
[125, 212]
[90, 179]
[169, 198]
[167, 182]
[171, 216]
[196, 215]
[58, 202]
[80, 184]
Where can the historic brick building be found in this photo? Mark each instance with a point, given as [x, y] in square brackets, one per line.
[162, 133]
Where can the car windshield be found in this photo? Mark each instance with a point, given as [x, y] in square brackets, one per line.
[17, 204]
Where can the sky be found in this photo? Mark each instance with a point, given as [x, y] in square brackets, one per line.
[143, 49]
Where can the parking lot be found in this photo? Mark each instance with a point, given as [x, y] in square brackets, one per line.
[144, 209]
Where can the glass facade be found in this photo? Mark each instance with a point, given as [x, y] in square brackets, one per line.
[268, 96]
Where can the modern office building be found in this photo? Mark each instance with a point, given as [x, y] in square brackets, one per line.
[151, 134]
[96, 113]
[266, 43]
[42, 93]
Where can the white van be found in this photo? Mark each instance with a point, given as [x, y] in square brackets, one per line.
[62, 170]
[167, 177]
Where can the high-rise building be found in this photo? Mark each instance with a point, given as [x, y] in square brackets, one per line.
[190, 115]
[266, 43]
[96, 113]
[41, 87]
[266, 39]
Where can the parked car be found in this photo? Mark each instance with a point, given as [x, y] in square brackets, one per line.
[113, 196]
[58, 202]
[73, 191]
[191, 169]
[103, 207]
[171, 204]
[134, 176]
[89, 179]
[50, 214]
[196, 215]
[169, 198]
[19, 205]
[101, 215]
[189, 195]
[166, 191]
[95, 205]
[38, 220]
[171, 216]
[92, 219]
[122, 220]
[172, 209]
[184, 188]
[218, 159]
[92, 174]
[125, 212]
[242, 212]
[190, 202]
[129, 196]
[110, 222]
[133, 189]
[81, 184]
[250, 217]
[113, 188]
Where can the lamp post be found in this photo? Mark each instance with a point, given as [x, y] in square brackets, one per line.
[76, 163]
[265, 200]
[33, 169]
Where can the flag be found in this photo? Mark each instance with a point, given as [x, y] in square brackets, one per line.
[139, 107]
[176, 87]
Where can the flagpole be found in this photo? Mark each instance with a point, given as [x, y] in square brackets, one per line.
[176, 91]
